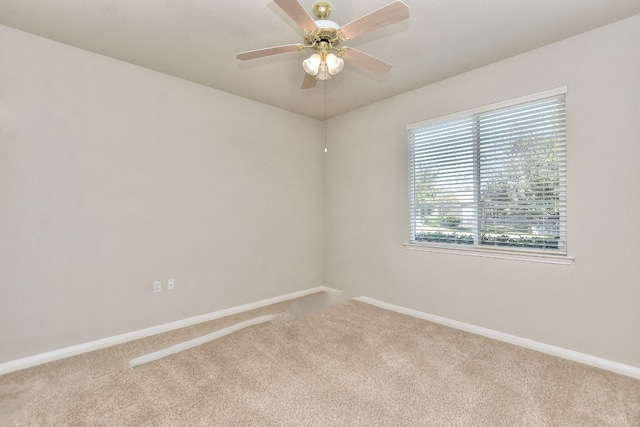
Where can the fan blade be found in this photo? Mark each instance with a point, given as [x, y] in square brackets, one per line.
[365, 60]
[294, 9]
[386, 15]
[259, 53]
[309, 81]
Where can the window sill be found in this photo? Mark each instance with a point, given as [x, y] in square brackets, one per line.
[511, 254]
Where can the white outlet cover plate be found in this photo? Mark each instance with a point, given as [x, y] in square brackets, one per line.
[171, 284]
[157, 286]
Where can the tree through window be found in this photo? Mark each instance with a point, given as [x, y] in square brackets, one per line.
[492, 178]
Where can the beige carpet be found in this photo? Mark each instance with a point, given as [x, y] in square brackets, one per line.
[349, 365]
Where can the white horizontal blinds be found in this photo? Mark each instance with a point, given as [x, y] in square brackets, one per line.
[522, 175]
[492, 178]
[443, 158]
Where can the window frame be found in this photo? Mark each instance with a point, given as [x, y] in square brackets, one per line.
[504, 252]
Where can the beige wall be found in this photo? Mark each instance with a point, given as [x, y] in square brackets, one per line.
[592, 306]
[112, 176]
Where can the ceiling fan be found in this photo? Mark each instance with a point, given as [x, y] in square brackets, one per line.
[325, 36]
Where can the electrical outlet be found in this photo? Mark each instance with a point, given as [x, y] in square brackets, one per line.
[157, 286]
[171, 284]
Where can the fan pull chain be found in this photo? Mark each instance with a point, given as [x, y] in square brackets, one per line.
[325, 116]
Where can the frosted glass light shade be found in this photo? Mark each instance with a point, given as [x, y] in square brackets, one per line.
[311, 64]
[323, 68]
[323, 72]
[334, 64]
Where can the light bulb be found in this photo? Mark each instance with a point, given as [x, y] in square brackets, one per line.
[334, 64]
[311, 64]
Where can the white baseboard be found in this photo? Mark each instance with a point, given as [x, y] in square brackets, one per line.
[27, 362]
[619, 368]
[51, 356]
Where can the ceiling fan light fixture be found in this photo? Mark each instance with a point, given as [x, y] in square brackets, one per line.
[323, 68]
[312, 64]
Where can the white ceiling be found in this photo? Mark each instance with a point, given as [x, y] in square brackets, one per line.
[197, 40]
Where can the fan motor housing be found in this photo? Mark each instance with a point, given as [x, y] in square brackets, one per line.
[329, 35]
[327, 32]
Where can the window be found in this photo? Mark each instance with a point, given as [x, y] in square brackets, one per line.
[491, 178]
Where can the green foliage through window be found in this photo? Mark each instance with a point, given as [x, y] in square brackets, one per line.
[495, 178]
